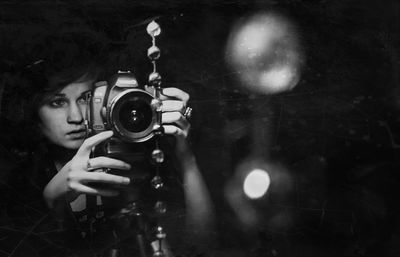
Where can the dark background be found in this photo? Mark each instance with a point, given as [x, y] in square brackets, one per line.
[336, 134]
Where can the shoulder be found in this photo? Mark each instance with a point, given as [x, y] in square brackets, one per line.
[23, 175]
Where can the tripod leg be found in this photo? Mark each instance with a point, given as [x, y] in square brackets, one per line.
[141, 244]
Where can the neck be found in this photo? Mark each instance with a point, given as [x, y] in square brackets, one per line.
[61, 155]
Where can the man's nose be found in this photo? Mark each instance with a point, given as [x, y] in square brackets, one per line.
[75, 113]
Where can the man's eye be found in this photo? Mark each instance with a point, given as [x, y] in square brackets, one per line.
[58, 102]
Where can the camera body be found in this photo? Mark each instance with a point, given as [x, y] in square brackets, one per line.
[129, 111]
[122, 107]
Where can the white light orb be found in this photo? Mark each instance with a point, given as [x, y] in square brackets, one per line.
[265, 53]
[256, 183]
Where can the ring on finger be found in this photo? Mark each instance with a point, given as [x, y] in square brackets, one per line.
[89, 166]
[188, 113]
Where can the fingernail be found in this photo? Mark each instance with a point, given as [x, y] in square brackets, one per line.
[128, 166]
[126, 180]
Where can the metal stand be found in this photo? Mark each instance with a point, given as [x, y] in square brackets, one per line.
[129, 219]
[131, 214]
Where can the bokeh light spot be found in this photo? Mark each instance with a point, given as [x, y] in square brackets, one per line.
[256, 183]
[265, 53]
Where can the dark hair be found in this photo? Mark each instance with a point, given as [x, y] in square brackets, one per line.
[45, 83]
[62, 58]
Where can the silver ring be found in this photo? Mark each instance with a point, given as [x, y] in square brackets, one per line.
[89, 167]
[188, 113]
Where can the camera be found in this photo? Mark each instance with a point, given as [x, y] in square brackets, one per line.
[131, 113]
[123, 107]
[134, 115]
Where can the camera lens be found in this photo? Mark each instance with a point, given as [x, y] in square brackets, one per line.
[131, 115]
[135, 115]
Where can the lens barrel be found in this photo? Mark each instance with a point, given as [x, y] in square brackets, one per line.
[132, 115]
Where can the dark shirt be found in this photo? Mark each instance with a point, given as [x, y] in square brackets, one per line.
[27, 225]
[29, 228]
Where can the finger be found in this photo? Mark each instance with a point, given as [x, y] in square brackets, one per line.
[172, 92]
[175, 131]
[93, 190]
[176, 118]
[173, 106]
[90, 142]
[106, 162]
[102, 177]
[97, 170]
